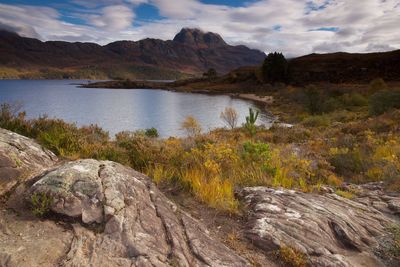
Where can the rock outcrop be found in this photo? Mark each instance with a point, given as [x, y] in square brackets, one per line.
[102, 214]
[329, 229]
[20, 158]
[141, 226]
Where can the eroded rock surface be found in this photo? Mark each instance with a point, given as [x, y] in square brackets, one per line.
[141, 226]
[374, 195]
[329, 229]
[26, 241]
[20, 158]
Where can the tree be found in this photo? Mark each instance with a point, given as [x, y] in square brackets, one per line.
[250, 124]
[230, 117]
[210, 74]
[191, 126]
[275, 68]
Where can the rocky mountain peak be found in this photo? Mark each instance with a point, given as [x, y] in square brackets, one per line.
[199, 38]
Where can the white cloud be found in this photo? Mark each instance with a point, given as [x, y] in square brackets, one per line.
[113, 18]
[362, 25]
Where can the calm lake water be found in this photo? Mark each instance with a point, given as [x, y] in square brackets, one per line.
[117, 110]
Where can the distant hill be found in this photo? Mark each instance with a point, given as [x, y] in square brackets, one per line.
[345, 67]
[191, 52]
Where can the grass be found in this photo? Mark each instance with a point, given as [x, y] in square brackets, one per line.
[345, 194]
[292, 257]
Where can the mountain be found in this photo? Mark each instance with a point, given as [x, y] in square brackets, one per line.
[191, 52]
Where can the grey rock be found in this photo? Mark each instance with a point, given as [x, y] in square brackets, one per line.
[20, 158]
[329, 229]
[141, 226]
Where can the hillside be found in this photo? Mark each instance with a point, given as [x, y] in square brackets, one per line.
[334, 68]
[345, 67]
[191, 52]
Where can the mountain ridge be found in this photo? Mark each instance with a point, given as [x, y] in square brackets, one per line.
[192, 52]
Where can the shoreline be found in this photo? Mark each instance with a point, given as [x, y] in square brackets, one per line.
[261, 101]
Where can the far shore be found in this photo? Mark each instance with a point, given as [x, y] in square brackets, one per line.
[176, 86]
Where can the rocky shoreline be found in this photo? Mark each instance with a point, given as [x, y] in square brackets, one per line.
[103, 213]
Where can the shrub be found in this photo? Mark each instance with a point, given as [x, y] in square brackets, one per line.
[314, 99]
[377, 85]
[151, 132]
[383, 101]
[41, 204]
[191, 126]
[354, 99]
[292, 170]
[140, 151]
[62, 138]
[230, 117]
[346, 162]
[12, 119]
[258, 155]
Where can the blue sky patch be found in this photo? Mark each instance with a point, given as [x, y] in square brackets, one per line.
[327, 29]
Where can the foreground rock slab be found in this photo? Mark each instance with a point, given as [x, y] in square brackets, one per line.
[136, 224]
[28, 242]
[20, 158]
[329, 229]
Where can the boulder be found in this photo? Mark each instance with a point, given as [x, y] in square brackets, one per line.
[122, 219]
[330, 230]
[20, 158]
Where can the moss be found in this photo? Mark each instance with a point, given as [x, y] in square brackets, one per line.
[17, 161]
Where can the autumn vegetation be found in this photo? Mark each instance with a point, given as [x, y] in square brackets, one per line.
[338, 136]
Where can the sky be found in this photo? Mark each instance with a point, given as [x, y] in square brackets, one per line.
[294, 27]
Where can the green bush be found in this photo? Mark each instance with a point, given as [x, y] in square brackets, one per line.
[62, 138]
[258, 155]
[151, 132]
[41, 204]
[383, 101]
